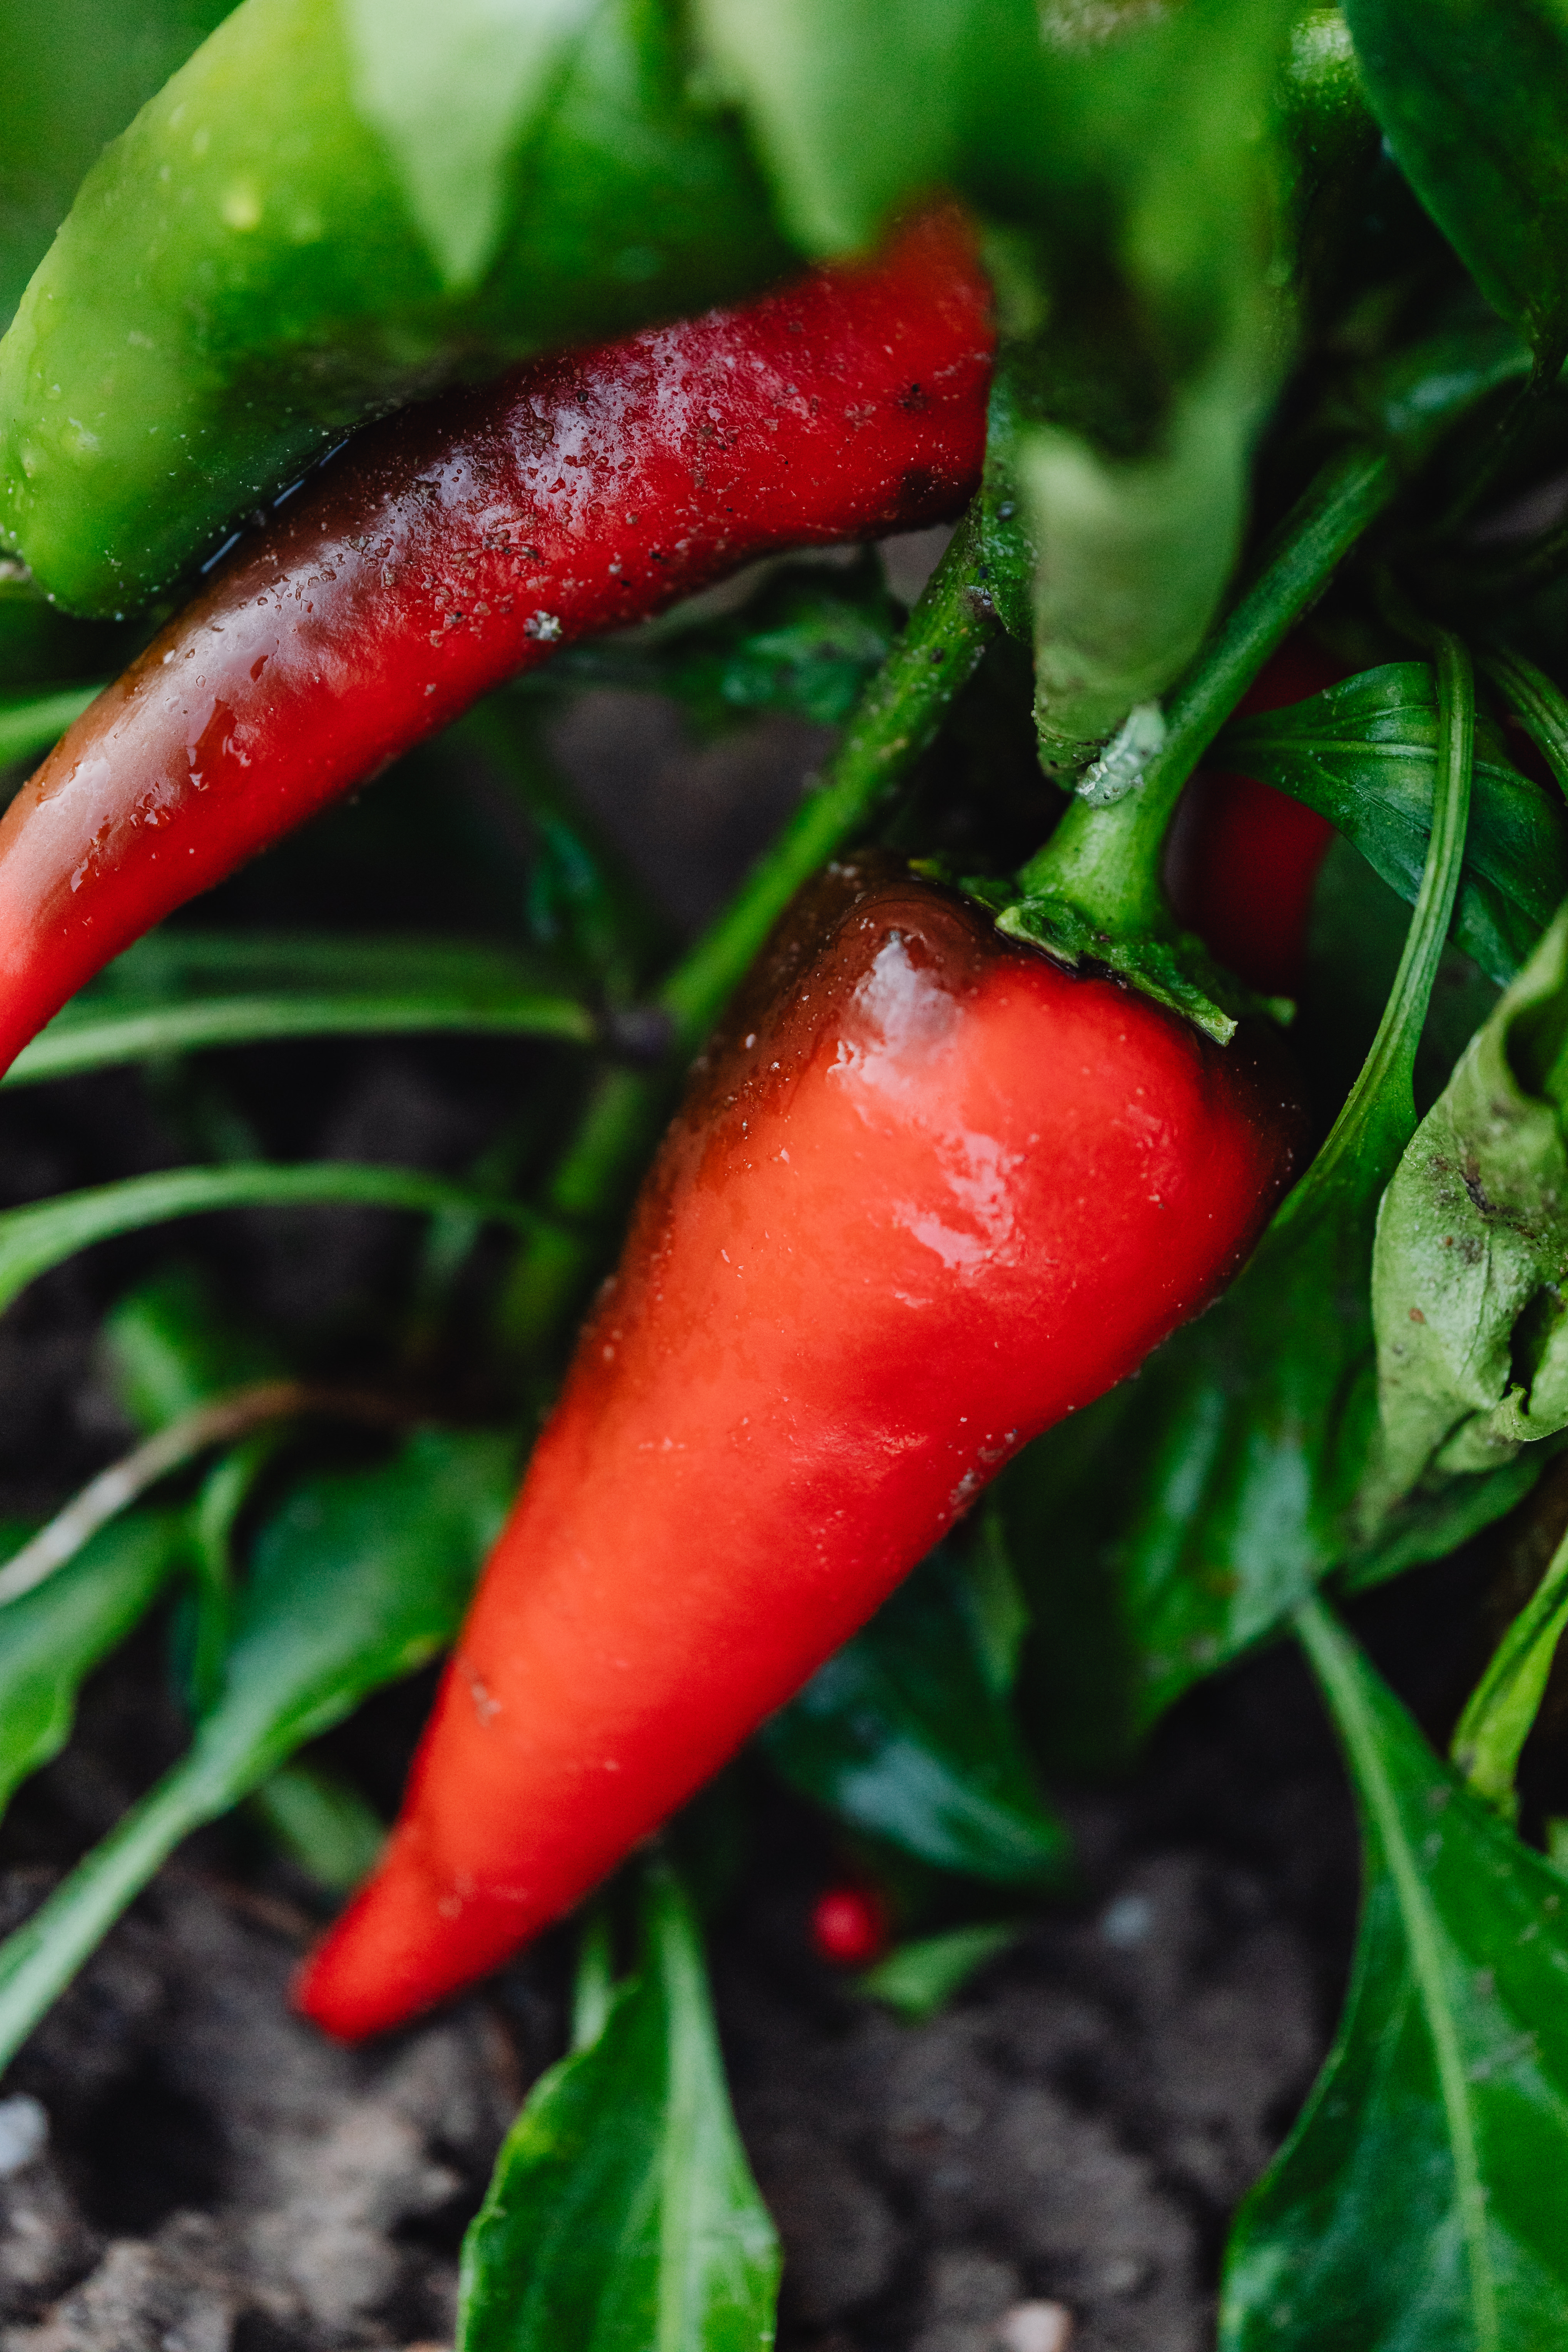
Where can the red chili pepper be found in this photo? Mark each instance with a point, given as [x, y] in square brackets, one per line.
[849, 1926]
[455, 545]
[930, 1193]
[1245, 857]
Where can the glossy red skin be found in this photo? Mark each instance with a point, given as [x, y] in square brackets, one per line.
[931, 1194]
[1245, 857]
[455, 545]
[848, 1927]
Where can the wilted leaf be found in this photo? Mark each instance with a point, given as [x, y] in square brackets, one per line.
[1472, 1249]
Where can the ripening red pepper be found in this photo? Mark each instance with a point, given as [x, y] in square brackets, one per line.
[849, 1926]
[926, 1195]
[1244, 857]
[457, 544]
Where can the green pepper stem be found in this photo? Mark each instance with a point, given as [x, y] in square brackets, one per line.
[898, 719]
[1107, 860]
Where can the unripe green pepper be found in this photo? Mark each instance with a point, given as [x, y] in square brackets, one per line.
[333, 208]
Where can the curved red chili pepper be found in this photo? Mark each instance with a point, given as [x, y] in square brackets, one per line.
[455, 545]
[929, 1194]
[1245, 857]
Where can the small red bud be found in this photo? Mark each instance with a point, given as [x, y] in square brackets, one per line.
[848, 1927]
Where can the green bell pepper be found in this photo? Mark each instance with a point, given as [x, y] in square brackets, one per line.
[334, 207]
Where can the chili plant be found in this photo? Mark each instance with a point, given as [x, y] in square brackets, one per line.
[1011, 1329]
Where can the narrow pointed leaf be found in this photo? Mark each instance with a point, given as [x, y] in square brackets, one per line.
[622, 2216]
[1422, 2200]
[358, 1579]
[179, 992]
[42, 1234]
[1364, 754]
[921, 1978]
[51, 1639]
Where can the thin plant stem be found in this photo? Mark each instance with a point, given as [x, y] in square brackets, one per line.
[898, 718]
[218, 1421]
[1384, 1096]
[1107, 860]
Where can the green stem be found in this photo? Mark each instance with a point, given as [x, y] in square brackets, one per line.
[1539, 703]
[1503, 1707]
[898, 719]
[1107, 860]
[219, 1421]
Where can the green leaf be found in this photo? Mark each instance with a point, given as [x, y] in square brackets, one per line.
[1474, 101]
[1363, 754]
[31, 722]
[921, 1978]
[453, 98]
[852, 105]
[1212, 1492]
[170, 1346]
[1422, 2199]
[323, 1824]
[1131, 555]
[357, 1578]
[51, 1639]
[178, 991]
[807, 643]
[622, 2216]
[42, 1234]
[1472, 1249]
[908, 1732]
